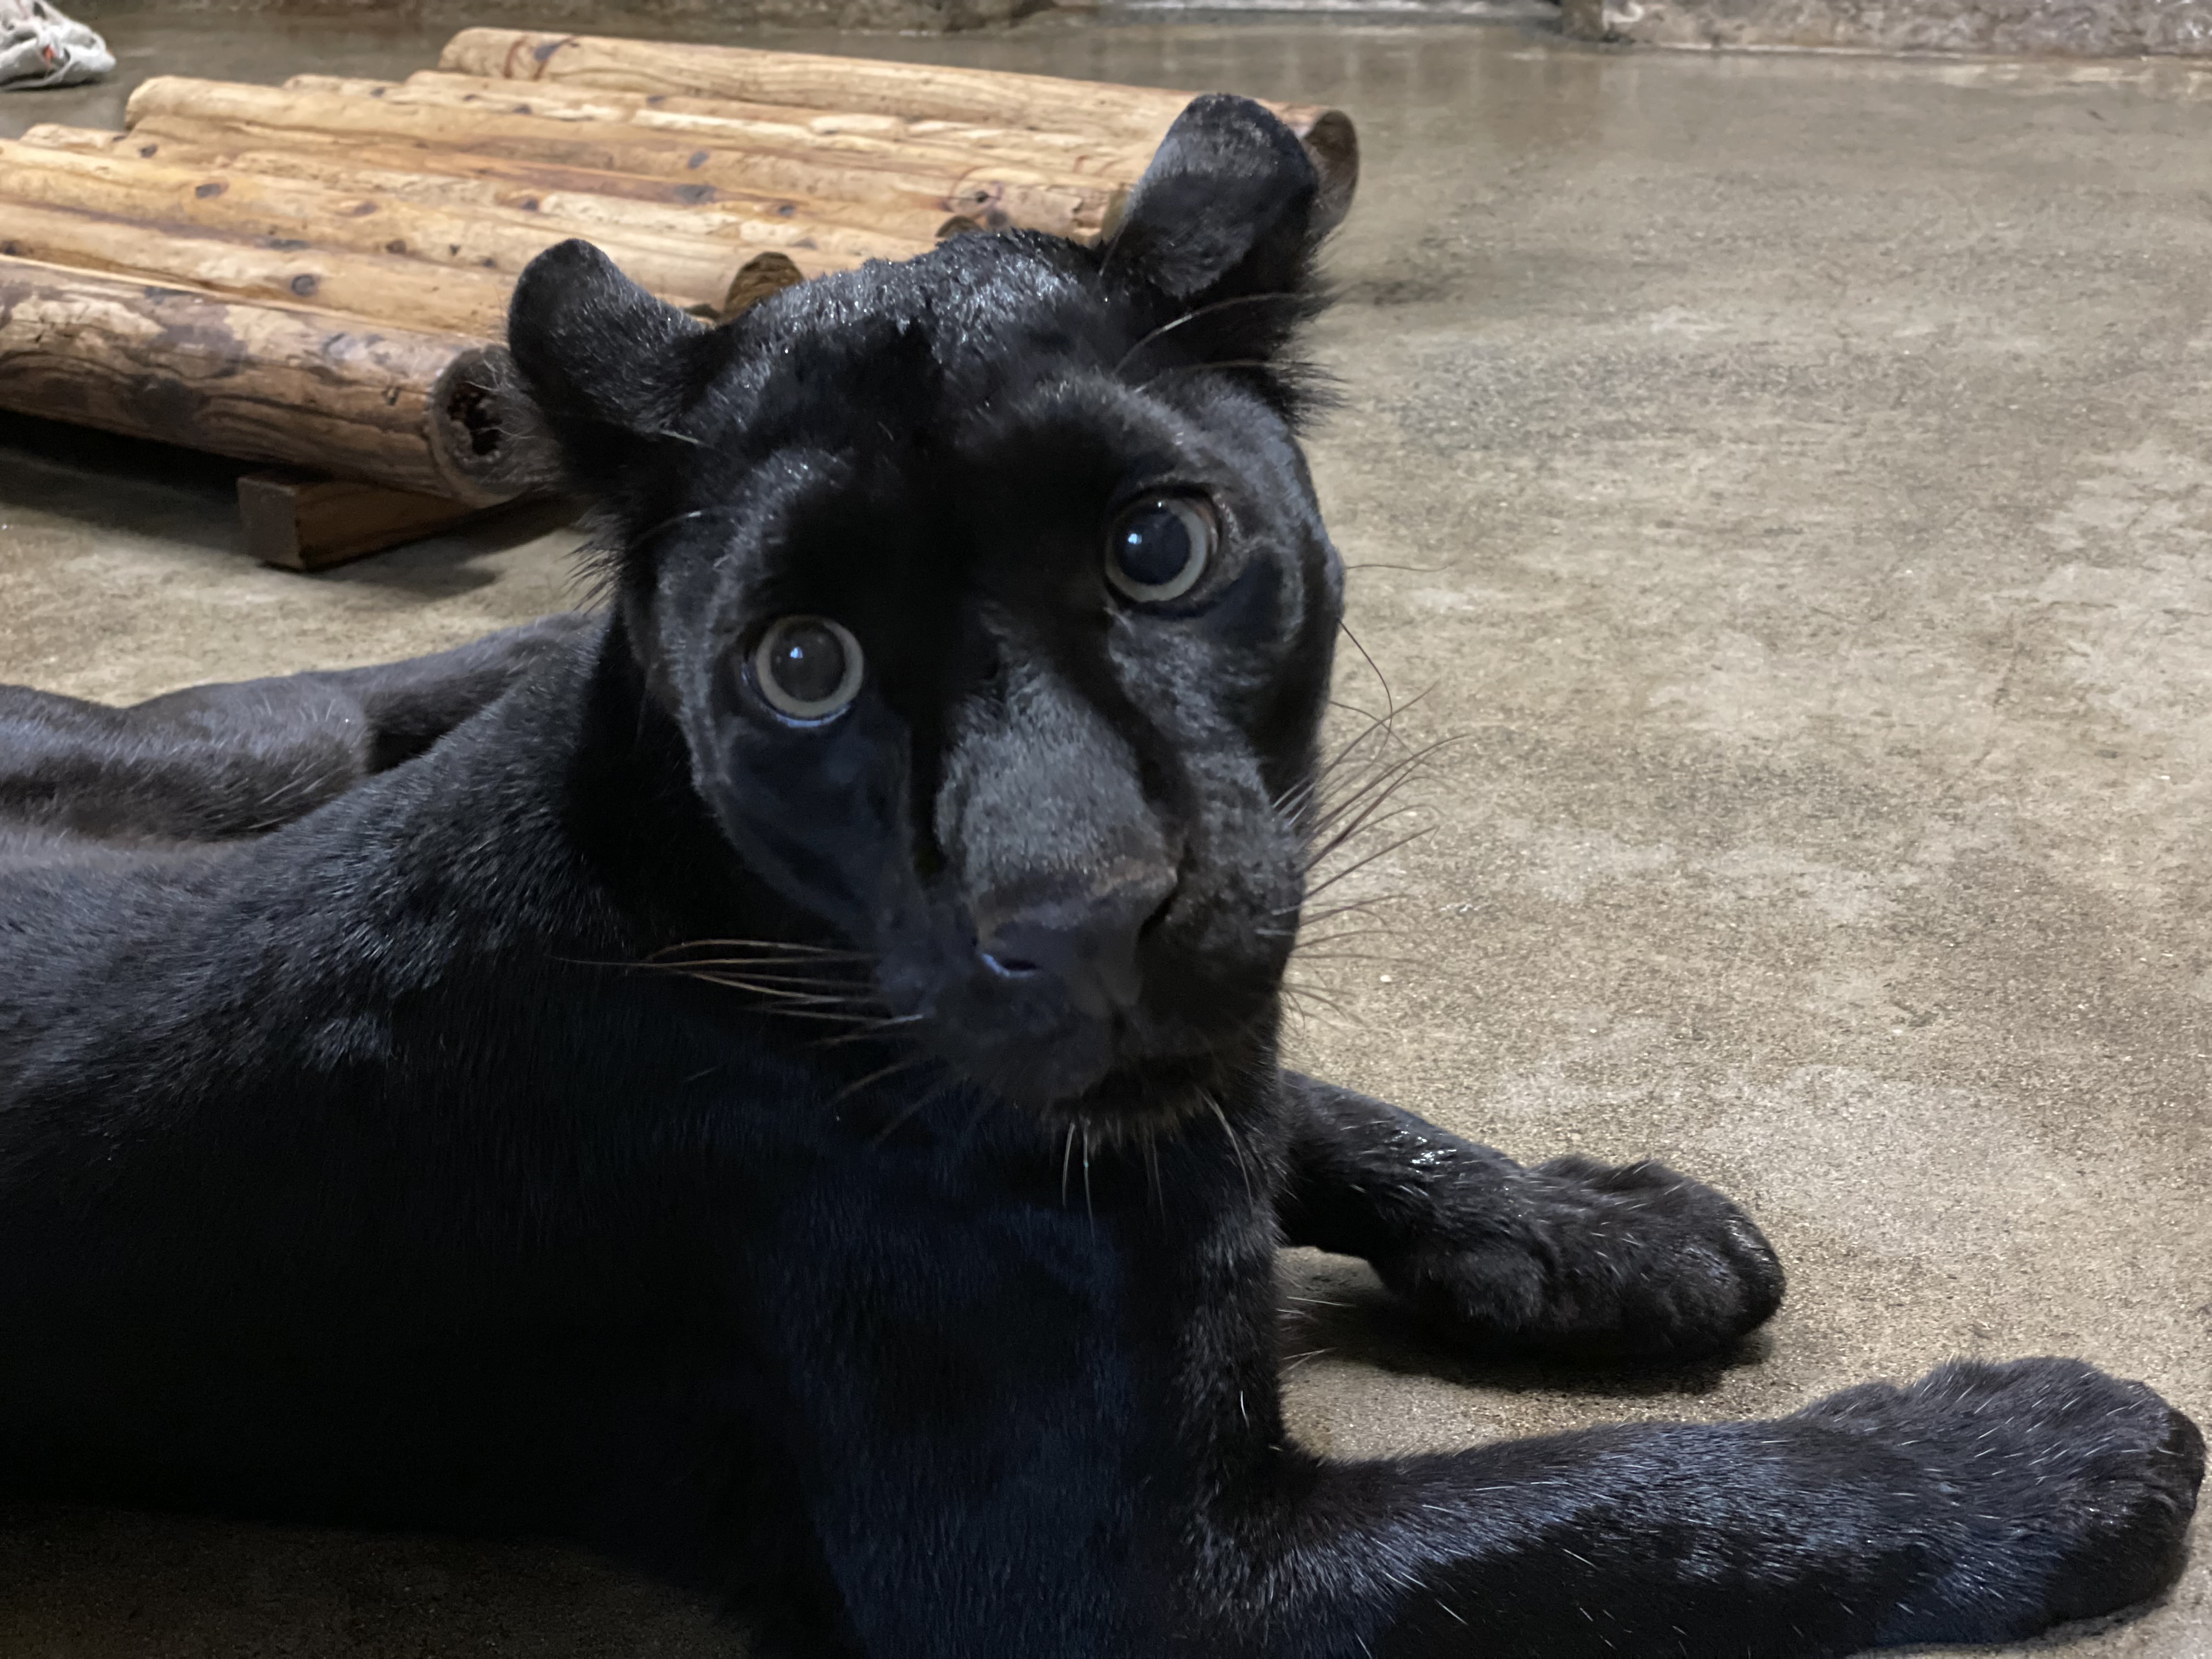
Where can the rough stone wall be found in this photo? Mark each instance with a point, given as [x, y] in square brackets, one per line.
[2005, 28]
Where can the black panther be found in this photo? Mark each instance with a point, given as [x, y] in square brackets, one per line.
[779, 1080]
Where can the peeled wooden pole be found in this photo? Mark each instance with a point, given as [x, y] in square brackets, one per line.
[1071, 148]
[412, 410]
[462, 180]
[816, 81]
[288, 271]
[915, 91]
[743, 125]
[690, 270]
[988, 194]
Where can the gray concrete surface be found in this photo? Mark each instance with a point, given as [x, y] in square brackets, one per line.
[1791, 480]
[2089, 28]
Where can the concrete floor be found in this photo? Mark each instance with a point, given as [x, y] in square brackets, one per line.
[1791, 479]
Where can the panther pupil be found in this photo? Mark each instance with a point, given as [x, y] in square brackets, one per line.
[1155, 548]
[808, 663]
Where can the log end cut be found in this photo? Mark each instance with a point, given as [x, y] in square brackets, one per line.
[486, 437]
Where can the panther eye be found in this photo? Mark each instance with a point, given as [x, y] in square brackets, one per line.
[1160, 548]
[807, 668]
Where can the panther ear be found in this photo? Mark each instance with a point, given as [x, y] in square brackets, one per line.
[609, 365]
[1228, 207]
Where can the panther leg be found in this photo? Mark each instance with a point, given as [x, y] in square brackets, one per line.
[215, 761]
[1982, 1503]
[1572, 1257]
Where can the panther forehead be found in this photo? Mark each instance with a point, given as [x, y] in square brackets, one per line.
[920, 343]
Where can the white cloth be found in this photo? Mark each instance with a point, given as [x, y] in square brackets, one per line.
[39, 47]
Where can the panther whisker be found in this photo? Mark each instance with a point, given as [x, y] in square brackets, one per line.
[1090, 1213]
[759, 952]
[975, 1121]
[1386, 781]
[1352, 814]
[1388, 700]
[670, 523]
[1381, 852]
[854, 1087]
[1295, 801]
[787, 947]
[852, 997]
[825, 1017]
[921, 1102]
[1327, 770]
[1307, 957]
[1195, 313]
[1383, 779]
[1200, 368]
[1316, 947]
[1310, 919]
[1303, 998]
[1306, 938]
[873, 1033]
[1337, 843]
[762, 974]
[1380, 728]
[1342, 823]
[838, 990]
[1378, 725]
[1321, 1010]
[1235, 1145]
[1313, 934]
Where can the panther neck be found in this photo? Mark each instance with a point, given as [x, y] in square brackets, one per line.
[631, 807]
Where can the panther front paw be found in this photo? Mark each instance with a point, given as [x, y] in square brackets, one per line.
[2069, 1492]
[1597, 1261]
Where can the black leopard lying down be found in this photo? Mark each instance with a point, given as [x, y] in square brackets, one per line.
[780, 1083]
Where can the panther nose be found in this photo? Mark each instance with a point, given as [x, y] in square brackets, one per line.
[1087, 942]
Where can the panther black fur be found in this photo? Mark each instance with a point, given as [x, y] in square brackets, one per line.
[376, 1145]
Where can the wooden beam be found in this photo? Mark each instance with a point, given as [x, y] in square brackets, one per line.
[953, 184]
[436, 414]
[819, 82]
[687, 270]
[936, 92]
[740, 126]
[466, 180]
[277, 270]
[306, 521]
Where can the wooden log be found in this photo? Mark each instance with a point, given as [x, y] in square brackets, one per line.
[818, 82]
[1045, 143]
[305, 521]
[991, 195]
[274, 271]
[764, 273]
[415, 410]
[973, 97]
[741, 125]
[691, 271]
[575, 197]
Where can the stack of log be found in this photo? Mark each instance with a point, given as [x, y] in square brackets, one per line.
[317, 274]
